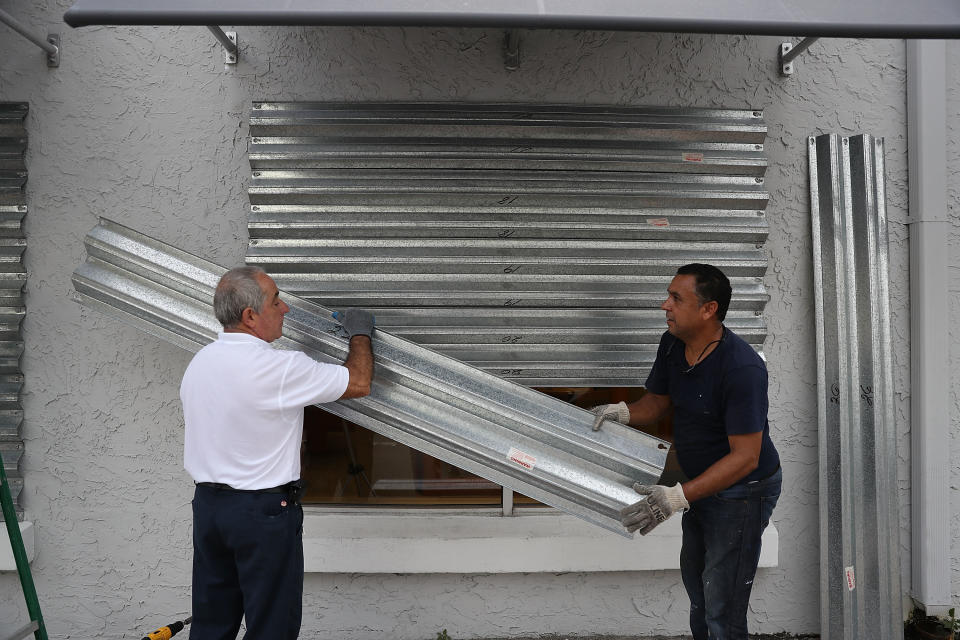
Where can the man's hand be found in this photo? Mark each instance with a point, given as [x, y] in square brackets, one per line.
[660, 503]
[618, 412]
[356, 322]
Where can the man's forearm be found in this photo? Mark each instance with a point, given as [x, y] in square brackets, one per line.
[648, 409]
[359, 363]
[722, 474]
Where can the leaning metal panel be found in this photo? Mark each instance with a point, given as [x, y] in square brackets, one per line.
[535, 242]
[859, 526]
[13, 207]
[502, 431]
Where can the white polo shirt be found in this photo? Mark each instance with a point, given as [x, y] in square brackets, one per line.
[243, 406]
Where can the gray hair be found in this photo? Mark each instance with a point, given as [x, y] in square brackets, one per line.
[237, 290]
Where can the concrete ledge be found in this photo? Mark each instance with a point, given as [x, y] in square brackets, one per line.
[7, 563]
[527, 542]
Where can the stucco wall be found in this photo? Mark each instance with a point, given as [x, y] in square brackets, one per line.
[147, 127]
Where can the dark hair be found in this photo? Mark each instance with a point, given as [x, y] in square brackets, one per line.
[712, 285]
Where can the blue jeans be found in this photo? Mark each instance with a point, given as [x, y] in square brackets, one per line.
[721, 549]
[247, 561]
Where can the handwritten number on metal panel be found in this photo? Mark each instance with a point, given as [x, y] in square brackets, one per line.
[511, 302]
[505, 200]
[510, 372]
[866, 394]
[513, 268]
[511, 339]
[506, 233]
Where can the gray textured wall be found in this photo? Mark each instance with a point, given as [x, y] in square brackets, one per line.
[145, 126]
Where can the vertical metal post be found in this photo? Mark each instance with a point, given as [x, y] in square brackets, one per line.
[929, 325]
[507, 501]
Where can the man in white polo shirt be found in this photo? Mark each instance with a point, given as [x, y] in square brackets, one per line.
[243, 406]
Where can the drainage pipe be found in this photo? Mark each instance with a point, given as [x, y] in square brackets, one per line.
[929, 326]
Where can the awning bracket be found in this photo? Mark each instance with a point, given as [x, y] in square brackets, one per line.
[231, 52]
[788, 51]
[51, 45]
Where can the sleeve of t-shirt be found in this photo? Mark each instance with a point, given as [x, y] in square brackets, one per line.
[745, 400]
[306, 382]
[658, 382]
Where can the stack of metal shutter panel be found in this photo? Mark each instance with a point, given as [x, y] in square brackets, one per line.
[509, 434]
[532, 241]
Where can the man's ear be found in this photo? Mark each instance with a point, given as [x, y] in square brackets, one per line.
[709, 309]
[248, 317]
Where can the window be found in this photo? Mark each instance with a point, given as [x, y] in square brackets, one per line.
[345, 464]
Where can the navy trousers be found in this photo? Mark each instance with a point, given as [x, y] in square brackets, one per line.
[247, 561]
[721, 549]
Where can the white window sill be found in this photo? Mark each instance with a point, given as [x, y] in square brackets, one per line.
[7, 563]
[530, 541]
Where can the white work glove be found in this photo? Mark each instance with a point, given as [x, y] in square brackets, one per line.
[660, 503]
[618, 412]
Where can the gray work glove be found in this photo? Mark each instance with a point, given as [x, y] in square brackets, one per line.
[618, 412]
[356, 322]
[660, 503]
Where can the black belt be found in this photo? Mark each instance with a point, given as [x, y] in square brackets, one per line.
[290, 487]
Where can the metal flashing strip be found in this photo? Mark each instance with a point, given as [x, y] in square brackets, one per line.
[859, 525]
[13, 275]
[852, 18]
[532, 241]
[509, 434]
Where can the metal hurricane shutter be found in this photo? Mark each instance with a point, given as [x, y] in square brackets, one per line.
[535, 242]
[13, 207]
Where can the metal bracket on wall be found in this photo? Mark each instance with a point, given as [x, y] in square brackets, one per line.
[511, 49]
[788, 51]
[51, 45]
[229, 41]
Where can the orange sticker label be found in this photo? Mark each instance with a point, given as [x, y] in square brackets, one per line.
[525, 460]
[692, 157]
[658, 222]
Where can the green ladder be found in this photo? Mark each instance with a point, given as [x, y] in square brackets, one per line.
[35, 626]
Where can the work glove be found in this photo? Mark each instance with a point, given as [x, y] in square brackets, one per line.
[659, 504]
[356, 322]
[618, 412]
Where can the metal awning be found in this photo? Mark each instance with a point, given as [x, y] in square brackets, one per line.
[849, 18]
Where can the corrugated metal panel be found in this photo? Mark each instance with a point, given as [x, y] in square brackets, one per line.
[424, 400]
[532, 241]
[859, 526]
[13, 275]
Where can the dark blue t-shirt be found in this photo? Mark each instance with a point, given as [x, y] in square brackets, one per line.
[724, 394]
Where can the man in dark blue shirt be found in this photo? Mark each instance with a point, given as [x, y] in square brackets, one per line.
[717, 386]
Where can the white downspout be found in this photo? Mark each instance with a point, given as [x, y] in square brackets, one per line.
[929, 326]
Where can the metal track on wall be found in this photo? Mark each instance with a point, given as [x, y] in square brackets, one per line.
[502, 431]
[532, 241]
[859, 525]
[13, 208]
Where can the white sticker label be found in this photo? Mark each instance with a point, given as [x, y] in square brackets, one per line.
[851, 578]
[692, 157]
[525, 460]
[658, 222]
